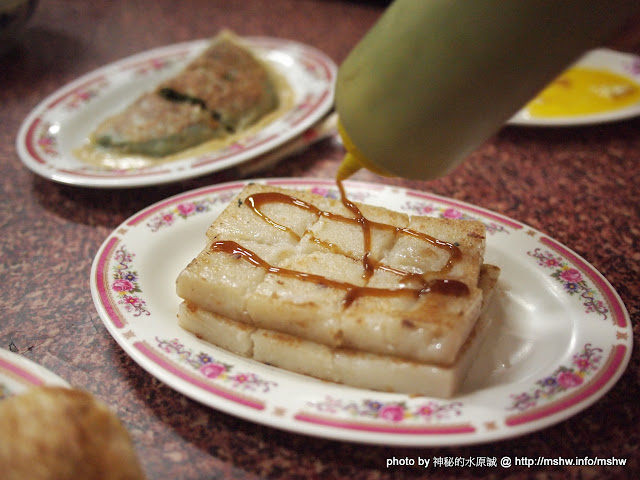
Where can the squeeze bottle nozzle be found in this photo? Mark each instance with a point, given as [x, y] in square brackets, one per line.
[354, 160]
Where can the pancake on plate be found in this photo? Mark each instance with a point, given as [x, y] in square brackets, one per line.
[220, 92]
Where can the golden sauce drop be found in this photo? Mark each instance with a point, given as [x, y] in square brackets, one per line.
[584, 91]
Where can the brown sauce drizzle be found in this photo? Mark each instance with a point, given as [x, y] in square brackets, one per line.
[448, 287]
[367, 263]
[256, 201]
[437, 285]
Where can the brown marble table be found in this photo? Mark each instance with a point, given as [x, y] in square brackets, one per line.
[577, 185]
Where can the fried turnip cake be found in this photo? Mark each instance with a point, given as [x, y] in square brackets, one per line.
[377, 300]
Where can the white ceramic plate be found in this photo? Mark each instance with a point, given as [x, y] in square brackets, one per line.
[18, 374]
[605, 59]
[62, 122]
[564, 336]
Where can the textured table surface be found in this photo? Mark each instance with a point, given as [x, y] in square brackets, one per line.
[577, 185]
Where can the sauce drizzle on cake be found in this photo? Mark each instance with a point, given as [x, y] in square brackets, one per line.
[443, 286]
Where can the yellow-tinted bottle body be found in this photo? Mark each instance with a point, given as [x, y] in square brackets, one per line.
[434, 79]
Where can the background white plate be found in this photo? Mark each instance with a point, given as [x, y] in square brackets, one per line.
[63, 121]
[18, 374]
[563, 340]
[623, 64]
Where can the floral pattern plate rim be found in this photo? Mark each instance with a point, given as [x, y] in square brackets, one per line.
[18, 374]
[625, 64]
[62, 122]
[562, 340]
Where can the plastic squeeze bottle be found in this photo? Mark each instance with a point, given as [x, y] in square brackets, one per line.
[433, 79]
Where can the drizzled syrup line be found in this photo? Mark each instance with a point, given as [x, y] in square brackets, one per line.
[454, 251]
[447, 287]
[367, 263]
[258, 200]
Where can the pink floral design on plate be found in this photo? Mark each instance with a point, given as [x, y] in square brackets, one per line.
[83, 96]
[572, 279]
[213, 369]
[394, 412]
[443, 211]
[185, 210]
[47, 141]
[125, 283]
[564, 378]
[158, 64]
